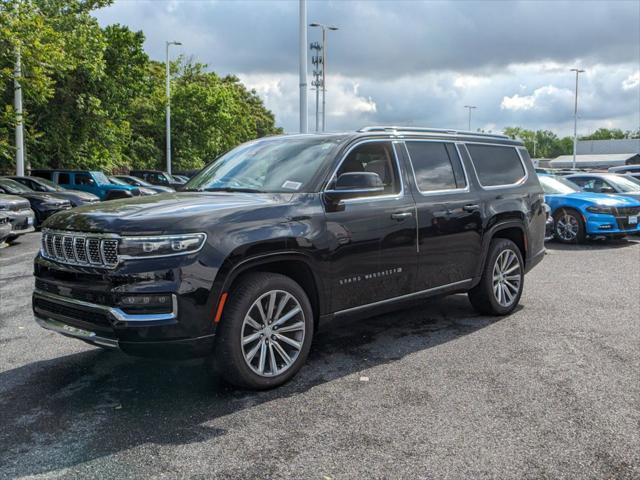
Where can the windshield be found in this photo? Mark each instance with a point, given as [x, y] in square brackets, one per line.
[100, 178]
[49, 185]
[557, 185]
[14, 187]
[117, 181]
[135, 181]
[282, 164]
[623, 184]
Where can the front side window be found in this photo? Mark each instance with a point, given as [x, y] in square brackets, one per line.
[274, 165]
[374, 157]
[84, 179]
[496, 165]
[436, 166]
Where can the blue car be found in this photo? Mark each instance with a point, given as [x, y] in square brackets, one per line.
[580, 214]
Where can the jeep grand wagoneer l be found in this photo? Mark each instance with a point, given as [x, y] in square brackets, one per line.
[283, 233]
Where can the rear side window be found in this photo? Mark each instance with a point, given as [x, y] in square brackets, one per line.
[496, 165]
[436, 166]
[63, 179]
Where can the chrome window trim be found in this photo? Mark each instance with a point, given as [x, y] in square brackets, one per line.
[522, 181]
[427, 193]
[117, 313]
[371, 198]
[403, 297]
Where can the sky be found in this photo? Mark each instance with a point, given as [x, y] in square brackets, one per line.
[417, 62]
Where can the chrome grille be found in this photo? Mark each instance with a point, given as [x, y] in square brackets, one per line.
[80, 249]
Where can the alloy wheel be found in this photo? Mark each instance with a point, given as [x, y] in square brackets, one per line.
[273, 333]
[567, 227]
[507, 277]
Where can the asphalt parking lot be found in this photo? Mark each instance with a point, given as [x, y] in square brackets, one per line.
[552, 391]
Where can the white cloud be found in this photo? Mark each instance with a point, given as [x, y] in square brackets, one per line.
[632, 81]
[516, 102]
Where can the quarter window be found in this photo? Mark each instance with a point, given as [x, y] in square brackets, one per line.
[496, 165]
[63, 179]
[374, 157]
[436, 166]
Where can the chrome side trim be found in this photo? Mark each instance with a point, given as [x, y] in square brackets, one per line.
[68, 330]
[402, 297]
[117, 313]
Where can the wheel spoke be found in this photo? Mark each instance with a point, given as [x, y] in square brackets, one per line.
[263, 357]
[272, 304]
[293, 343]
[289, 315]
[260, 308]
[512, 269]
[251, 338]
[281, 305]
[272, 360]
[282, 353]
[294, 327]
[254, 350]
[252, 323]
[507, 295]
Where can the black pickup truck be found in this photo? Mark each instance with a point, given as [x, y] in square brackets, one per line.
[283, 233]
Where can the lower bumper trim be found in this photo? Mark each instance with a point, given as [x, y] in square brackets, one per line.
[68, 330]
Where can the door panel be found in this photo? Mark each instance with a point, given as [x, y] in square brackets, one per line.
[373, 244]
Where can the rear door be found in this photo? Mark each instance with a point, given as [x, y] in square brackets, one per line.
[449, 215]
[372, 239]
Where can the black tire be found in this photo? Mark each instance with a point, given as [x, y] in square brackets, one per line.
[482, 296]
[561, 234]
[229, 358]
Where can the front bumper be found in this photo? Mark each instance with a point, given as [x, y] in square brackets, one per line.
[603, 224]
[22, 221]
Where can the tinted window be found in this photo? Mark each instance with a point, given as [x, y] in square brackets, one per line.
[84, 179]
[496, 165]
[63, 178]
[436, 166]
[374, 157]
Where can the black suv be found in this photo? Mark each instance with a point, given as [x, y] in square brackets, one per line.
[283, 233]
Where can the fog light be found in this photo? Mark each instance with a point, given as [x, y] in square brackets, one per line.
[152, 303]
[606, 226]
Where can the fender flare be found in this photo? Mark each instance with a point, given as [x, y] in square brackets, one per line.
[489, 235]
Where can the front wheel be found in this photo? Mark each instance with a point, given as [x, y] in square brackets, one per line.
[265, 332]
[569, 227]
[500, 287]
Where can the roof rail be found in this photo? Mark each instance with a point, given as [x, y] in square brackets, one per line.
[392, 128]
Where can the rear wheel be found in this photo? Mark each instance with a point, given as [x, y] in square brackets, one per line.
[569, 227]
[500, 287]
[265, 333]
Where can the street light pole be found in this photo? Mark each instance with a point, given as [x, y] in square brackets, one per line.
[324, 65]
[575, 118]
[17, 102]
[304, 120]
[470, 107]
[316, 60]
[168, 114]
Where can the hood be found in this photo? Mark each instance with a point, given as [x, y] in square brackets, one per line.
[13, 202]
[163, 213]
[81, 195]
[601, 199]
[42, 197]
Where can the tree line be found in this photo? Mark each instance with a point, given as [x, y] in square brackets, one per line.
[94, 99]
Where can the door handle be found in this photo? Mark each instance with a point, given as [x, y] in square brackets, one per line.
[401, 215]
[471, 208]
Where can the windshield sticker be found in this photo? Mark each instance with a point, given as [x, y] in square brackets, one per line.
[291, 185]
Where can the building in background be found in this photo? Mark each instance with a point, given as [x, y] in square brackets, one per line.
[626, 145]
[596, 161]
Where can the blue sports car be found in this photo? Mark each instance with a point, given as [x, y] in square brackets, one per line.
[580, 214]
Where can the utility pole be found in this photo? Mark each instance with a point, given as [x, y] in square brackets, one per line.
[17, 102]
[324, 65]
[470, 107]
[304, 121]
[168, 114]
[316, 61]
[575, 118]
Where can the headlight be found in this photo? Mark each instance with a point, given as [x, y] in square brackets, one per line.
[599, 209]
[160, 246]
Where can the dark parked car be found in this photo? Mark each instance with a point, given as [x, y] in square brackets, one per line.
[21, 218]
[610, 183]
[138, 182]
[5, 226]
[143, 190]
[43, 204]
[156, 177]
[38, 184]
[284, 233]
[96, 183]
